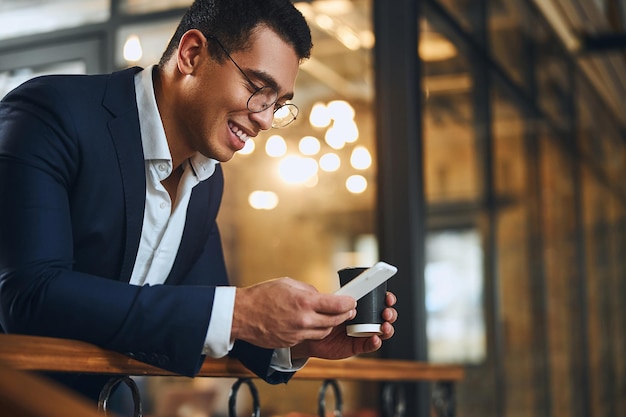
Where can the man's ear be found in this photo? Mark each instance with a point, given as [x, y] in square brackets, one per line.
[191, 50]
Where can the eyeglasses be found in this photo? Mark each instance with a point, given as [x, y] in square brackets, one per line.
[265, 97]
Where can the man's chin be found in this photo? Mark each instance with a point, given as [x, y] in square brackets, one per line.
[224, 155]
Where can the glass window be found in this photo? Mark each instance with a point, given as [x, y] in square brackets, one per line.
[602, 302]
[507, 31]
[560, 271]
[603, 218]
[552, 75]
[21, 18]
[142, 44]
[509, 148]
[465, 11]
[616, 341]
[63, 57]
[516, 298]
[450, 162]
[12, 78]
[599, 138]
[453, 275]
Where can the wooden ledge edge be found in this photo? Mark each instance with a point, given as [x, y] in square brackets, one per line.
[36, 353]
[50, 400]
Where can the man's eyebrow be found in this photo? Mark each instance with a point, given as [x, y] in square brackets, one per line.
[269, 81]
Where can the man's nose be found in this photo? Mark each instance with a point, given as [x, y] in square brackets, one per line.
[264, 118]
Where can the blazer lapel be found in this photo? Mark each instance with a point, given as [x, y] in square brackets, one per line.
[120, 100]
[201, 214]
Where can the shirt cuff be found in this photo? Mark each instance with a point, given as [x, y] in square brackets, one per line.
[217, 343]
[282, 362]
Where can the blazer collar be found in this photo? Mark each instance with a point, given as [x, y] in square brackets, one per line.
[119, 97]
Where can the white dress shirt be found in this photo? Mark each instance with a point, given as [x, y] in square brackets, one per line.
[164, 222]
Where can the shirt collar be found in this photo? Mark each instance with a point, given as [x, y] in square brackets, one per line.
[153, 139]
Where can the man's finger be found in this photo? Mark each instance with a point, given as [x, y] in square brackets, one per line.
[334, 304]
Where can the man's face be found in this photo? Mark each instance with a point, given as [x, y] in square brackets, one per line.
[212, 112]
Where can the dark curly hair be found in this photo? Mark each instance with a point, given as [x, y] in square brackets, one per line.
[232, 22]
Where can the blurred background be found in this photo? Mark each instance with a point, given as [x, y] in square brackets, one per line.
[479, 145]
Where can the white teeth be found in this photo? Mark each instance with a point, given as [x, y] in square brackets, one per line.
[240, 134]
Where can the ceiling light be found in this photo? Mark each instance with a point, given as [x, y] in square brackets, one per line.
[330, 162]
[276, 146]
[360, 158]
[347, 129]
[263, 200]
[333, 7]
[325, 22]
[367, 39]
[320, 116]
[356, 184]
[434, 47]
[297, 170]
[348, 38]
[334, 138]
[309, 145]
[341, 109]
[132, 49]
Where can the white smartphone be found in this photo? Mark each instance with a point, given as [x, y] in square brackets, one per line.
[367, 280]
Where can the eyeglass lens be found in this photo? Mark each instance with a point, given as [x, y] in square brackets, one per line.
[284, 115]
[266, 97]
[262, 99]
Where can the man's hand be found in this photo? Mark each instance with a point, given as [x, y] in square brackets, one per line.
[284, 312]
[338, 345]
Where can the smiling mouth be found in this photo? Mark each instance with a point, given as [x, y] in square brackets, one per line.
[239, 133]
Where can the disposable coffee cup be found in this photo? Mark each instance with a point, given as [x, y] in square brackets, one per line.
[369, 308]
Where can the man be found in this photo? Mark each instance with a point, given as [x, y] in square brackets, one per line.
[109, 190]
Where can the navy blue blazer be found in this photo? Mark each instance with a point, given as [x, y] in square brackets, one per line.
[72, 194]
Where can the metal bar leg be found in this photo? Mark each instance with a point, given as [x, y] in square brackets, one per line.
[443, 398]
[232, 397]
[105, 394]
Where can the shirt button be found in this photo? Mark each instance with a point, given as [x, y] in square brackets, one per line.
[162, 167]
[163, 205]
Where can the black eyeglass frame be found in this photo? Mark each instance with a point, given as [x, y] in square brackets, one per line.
[291, 108]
